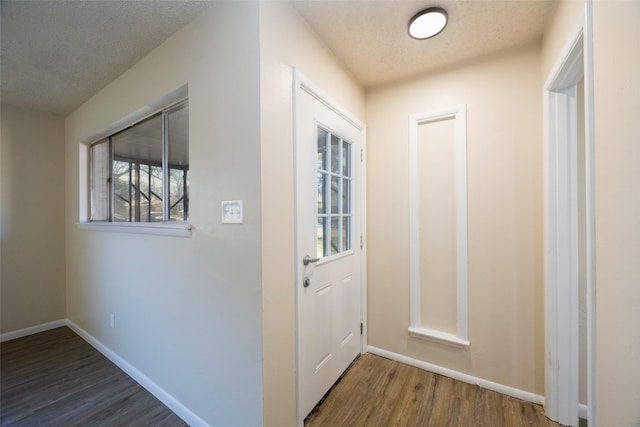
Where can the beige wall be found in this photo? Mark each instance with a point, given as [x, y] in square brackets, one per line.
[286, 41]
[504, 134]
[437, 210]
[616, 31]
[188, 310]
[32, 267]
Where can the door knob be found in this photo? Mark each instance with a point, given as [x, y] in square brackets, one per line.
[306, 260]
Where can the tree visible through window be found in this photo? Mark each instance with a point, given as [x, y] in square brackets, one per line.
[141, 174]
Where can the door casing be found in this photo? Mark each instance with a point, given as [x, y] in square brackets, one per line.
[561, 228]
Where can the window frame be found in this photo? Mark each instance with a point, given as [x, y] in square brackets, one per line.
[168, 103]
[164, 165]
[340, 215]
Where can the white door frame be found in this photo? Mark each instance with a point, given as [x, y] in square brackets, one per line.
[561, 229]
[300, 82]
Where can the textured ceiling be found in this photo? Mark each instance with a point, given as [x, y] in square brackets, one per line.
[56, 54]
[370, 37]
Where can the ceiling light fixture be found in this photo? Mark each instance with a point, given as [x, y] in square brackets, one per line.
[427, 23]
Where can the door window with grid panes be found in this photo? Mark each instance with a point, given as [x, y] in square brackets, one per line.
[333, 194]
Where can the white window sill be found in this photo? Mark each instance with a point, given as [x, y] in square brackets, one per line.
[177, 229]
[439, 337]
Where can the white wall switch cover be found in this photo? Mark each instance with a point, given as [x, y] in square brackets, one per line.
[232, 212]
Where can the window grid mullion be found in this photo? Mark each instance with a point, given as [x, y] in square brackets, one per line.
[340, 170]
[129, 189]
[327, 192]
[165, 167]
[134, 189]
[185, 196]
[110, 177]
[149, 169]
[342, 218]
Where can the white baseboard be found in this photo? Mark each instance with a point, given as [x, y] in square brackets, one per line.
[182, 411]
[32, 330]
[490, 385]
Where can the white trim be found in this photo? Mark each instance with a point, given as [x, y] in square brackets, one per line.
[560, 229]
[561, 260]
[305, 84]
[363, 234]
[460, 338]
[460, 376]
[568, 69]
[301, 82]
[583, 411]
[171, 402]
[7, 336]
[590, 182]
[176, 229]
[296, 84]
[438, 337]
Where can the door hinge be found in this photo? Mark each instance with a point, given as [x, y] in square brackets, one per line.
[362, 154]
[361, 242]
[361, 328]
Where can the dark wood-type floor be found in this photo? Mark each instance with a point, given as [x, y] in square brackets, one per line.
[55, 378]
[377, 392]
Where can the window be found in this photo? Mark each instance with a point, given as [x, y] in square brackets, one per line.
[334, 194]
[141, 174]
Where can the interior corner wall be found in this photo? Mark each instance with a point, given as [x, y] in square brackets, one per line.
[616, 30]
[286, 41]
[505, 254]
[32, 282]
[188, 311]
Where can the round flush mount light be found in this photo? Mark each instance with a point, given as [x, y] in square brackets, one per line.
[427, 23]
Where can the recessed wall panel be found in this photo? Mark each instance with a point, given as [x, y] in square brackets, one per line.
[436, 151]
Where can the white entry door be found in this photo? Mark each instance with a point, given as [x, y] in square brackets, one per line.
[328, 227]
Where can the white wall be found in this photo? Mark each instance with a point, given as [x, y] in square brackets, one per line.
[188, 310]
[504, 134]
[32, 271]
[286, 41]
[616, 31]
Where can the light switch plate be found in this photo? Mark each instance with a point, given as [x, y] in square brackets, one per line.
[232, 212]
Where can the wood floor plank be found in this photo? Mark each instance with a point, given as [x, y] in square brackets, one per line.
[55, 378]
[378, 392]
